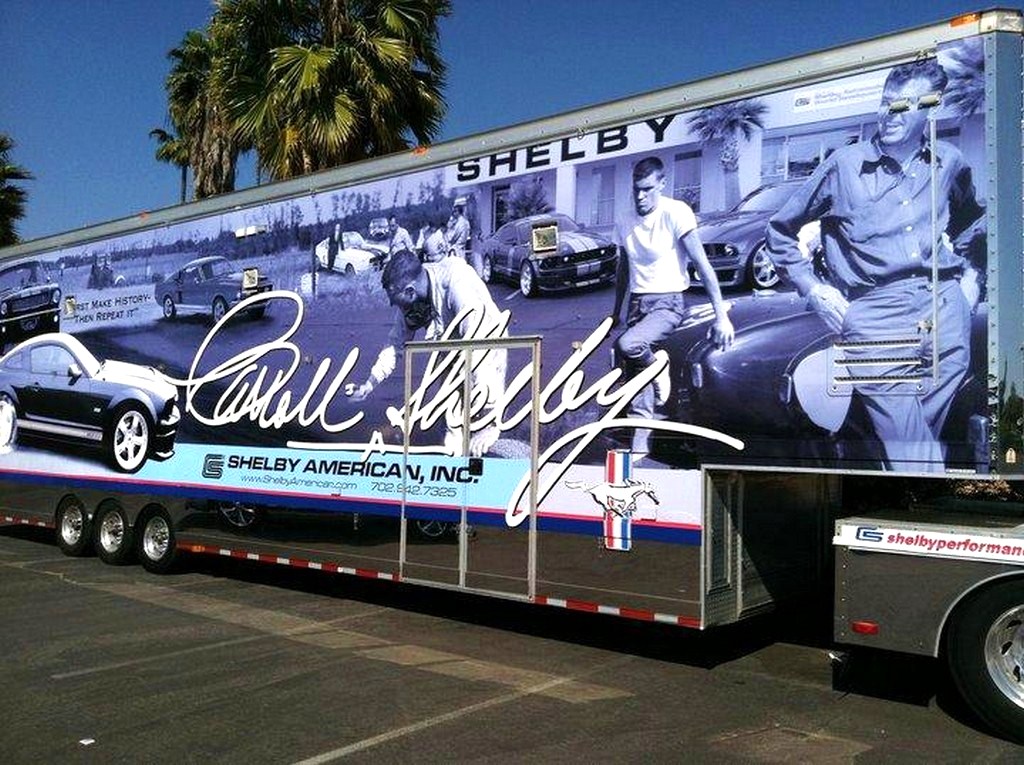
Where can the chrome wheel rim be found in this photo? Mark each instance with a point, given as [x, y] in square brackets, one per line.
[156, 538]
[1004, 654]
[131, 440]
[71, 524]
[112, 532]
[237, 514]
[219, 309]
[763, 269]
[168, 308]
[526, 280]
[8, 422]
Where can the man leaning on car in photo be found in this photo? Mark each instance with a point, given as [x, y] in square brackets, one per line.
[874, 201]
[656, 243]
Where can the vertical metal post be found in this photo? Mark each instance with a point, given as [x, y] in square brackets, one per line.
[933, 167]
[531, 555]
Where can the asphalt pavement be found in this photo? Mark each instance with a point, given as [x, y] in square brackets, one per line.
[230, 662]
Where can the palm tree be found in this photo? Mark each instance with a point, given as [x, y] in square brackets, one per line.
[316, 83]
[964, 64]
[12, 198]
[174, 151]
[198, 111]
[726, 124]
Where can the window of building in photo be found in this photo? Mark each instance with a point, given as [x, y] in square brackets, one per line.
[686, 178]
[602, 208]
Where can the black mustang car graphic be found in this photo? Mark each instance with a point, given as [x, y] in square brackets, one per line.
[29, 302]
[52, 387]
[573, 258]
[210, 285]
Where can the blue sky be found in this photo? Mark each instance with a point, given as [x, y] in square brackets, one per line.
[82, 84]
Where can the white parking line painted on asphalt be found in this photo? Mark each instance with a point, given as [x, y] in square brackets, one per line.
[430, 722]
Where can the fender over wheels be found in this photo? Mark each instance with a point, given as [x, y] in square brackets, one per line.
[528, 280]
[113, 536]
[74, 528]
[170, 310]
[985, 650]
[129, 439]
[157, 544]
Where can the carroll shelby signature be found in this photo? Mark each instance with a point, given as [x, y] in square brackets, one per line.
[261, 392]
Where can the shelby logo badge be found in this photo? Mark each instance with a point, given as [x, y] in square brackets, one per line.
[868, 534]
[213, 466]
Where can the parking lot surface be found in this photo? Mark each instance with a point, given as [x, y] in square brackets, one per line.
[234, 662]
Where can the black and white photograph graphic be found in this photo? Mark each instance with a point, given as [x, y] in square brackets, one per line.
[719, 253]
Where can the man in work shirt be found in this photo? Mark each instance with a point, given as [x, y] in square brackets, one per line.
[400, 239]
[429, 296]
[874, 201]
[656, 244]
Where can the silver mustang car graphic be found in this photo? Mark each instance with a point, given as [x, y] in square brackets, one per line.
[548, 253]
[53, 388]
[210, 285]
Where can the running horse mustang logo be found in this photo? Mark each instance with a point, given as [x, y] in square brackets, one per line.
[618, 500]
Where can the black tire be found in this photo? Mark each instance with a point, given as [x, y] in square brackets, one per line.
[74, 528]
[156, 542]
[218, 308]
[487, 270]
[258, 312]
[112, 535]
[985, 651]
[761, 273]
[350, 270]
[8, 423]
[129, 439]
[170, 310]
[528, 280]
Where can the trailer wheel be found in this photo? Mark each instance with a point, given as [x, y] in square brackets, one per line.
[157, 547]
[74, 529]
[113, 536]
[985, 650]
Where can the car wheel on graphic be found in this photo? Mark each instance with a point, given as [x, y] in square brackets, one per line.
[170, 310]
[219, 308]
[128, 442]
[487, 270]
[761, 273]
[528, 280]
[434, 529]
[157, 547]
[74, 530]
[8, 423]
[350, 270]
[237, 515]
[258, 312]
[113, 536]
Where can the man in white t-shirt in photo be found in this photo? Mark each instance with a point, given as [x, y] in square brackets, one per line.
[655, 244]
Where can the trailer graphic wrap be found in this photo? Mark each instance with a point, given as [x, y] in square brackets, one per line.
[256, 353]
